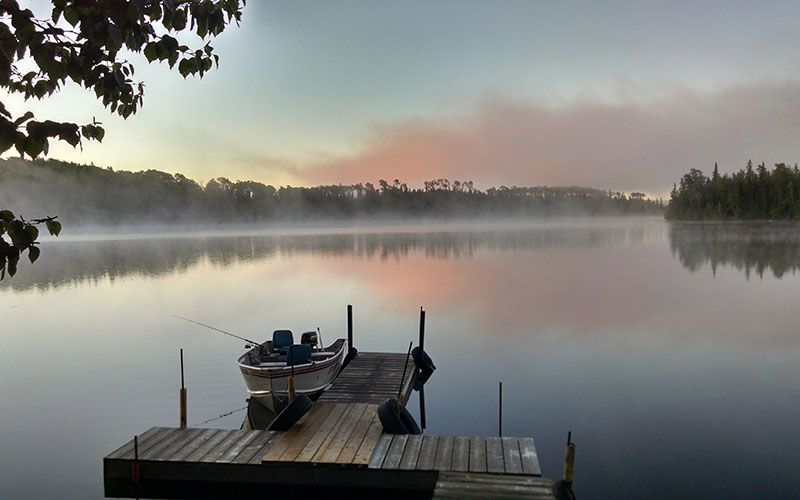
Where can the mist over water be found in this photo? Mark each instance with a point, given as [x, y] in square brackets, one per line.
[670, 350]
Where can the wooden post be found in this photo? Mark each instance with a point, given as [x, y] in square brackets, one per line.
[500, 412]
[569, 460]
[291, 389]
[421, 328]
[349, 326]
[291, 377]
[182, 397]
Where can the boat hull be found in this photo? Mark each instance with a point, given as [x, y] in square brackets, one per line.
[310, 379]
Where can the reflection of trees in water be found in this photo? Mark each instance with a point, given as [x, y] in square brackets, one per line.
[65, 262]
[748, 247]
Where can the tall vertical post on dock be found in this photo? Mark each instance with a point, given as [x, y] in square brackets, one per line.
[291, 388]
[349, 326]
[183, 396]
[421, 328]
[569, 460]
[500, 412]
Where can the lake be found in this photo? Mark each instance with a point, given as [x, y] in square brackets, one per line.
[671, 351]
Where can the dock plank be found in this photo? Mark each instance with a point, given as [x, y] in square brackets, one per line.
[444, 453]
[395, 453]
[196, 443]
[494, 455]
[348, 408]
[309, 428]
[324, 429]
[411, 453]
[427, 453]
[477, 454]
[530, 460]
[368, 445]
[223, 446]
[209, 445]
[286, 440]
[233, 451]
[152, 440]
[155, 452]
[511, 456]
[128, 447]
[263, 438]
[357, 436]
[468, 486]
[346, 428]
[381, 449]
[460, 454]
[189, 435]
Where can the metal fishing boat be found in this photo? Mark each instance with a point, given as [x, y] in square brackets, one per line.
[266, 367]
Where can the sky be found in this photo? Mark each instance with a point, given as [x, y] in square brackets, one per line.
[622, 95]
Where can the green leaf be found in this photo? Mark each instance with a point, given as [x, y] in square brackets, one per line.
[6, 215]
[21, 239]
[12, 265]
[33, 232]
[33, 147]
[151, 51]
[71, 15]
[54, 227]
[33, 253]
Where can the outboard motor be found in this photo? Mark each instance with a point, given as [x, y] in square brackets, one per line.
[309, 338]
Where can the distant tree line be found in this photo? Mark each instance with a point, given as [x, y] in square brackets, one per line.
[86, 194]
[747, 194]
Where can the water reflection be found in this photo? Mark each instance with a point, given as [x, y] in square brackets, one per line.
[597, 327]
[71, 262]
[747, 247]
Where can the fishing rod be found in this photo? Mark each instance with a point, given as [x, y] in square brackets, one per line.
[216, 329]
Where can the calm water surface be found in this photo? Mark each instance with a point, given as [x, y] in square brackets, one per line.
[670, 351]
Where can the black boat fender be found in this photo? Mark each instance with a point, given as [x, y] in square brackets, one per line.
[291, 414]
[424, 364]
[395, 419]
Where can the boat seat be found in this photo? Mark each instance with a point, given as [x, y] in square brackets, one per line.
[281, 340]
[299, 354]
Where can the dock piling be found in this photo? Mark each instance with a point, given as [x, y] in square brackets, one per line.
[500, 412]
[290, 388]
[421, 328]
[569, 460]
[182, 397]
[349, 326]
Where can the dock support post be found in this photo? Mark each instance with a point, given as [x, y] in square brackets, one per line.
[349, 326]
[500, 412]
[421, 328]
[290, 388]
[182, 397]
[569, 460]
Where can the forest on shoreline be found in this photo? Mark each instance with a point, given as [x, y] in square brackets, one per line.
[87, 195]
[749, 194]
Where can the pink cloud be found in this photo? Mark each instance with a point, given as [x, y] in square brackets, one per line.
[630, 145]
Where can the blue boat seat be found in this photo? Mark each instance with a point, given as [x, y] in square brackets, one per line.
[299, 354]
[281, 340]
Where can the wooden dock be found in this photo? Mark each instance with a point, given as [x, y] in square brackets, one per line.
[372, 377]
[337, 446]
